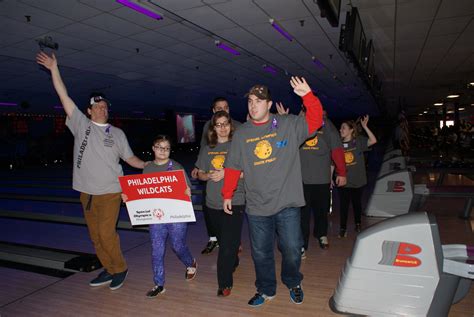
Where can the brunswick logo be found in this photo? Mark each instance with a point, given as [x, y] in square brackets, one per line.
[396, 253]
[395, 186]
[158, 213]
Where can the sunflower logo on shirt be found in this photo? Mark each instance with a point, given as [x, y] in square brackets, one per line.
[312, 142]
[348, 157]
[263, 149]
[218, 162]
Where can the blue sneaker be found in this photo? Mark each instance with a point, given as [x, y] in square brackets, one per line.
[297, 295]
[260, 299]
[103, 278]
[118, 280]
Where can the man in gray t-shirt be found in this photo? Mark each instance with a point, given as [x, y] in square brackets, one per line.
[265, 149]
[98, 148]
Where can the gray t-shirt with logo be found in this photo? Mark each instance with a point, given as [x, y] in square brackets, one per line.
[355, 161]
[269, 156]
[213, 159]
[171, 165]
[97, 153]
[315, 154]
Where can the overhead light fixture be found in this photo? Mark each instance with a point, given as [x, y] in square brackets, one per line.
[227, 48]
[134, 4]
[438, 104]
[317, 62]
[472, 84]
[425, 111]
[452, 96]
[282, 31]
[420, 114]
[269, 69]
[8, 104]
[450, 111]
[461, 109]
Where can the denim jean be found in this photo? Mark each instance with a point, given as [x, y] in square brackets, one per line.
[285, 226]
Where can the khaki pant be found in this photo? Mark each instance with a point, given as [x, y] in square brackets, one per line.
[101, 214]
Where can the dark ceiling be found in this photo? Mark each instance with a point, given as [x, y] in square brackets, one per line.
[424, 50]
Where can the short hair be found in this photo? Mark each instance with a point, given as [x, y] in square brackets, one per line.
[217, 99]
[162, 138]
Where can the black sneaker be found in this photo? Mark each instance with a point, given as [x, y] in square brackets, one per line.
[103, 278]
[357, 228]
[297, 295]
[211, 245]
[155, 291]
[118, 280]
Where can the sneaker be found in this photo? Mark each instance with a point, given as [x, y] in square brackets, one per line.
[357, 227]
[118, 280]
[103, 278]
[303, 254]
[191, 271]
[224, 292]
[323, 242]
[155, 291]
[211, 245]
[260, 299]
[342, 233]
[297, 295]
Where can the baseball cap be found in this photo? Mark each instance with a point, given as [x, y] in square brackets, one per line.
[260, 91]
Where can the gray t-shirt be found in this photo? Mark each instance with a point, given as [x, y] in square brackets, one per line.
[97, 153]
[268, 154]
[213, 159]
[315, 154]
[171, 165]
[355, 161]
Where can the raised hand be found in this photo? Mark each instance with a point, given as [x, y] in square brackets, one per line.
[364, 121]
[281, 109]
[300, 86]
[47, 61]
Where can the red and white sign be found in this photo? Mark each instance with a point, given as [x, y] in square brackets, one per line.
[157, 198]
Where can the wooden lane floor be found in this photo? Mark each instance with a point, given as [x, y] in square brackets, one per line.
[73, 297]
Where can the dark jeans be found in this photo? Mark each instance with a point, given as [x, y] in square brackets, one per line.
[210, 220]
[317, 197]
[285, 226]
[346, 195]
[229, 229]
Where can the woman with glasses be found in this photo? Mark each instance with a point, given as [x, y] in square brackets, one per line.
[159, 233]
[229, 226]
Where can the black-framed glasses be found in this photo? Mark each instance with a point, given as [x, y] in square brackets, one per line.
[160, 148]
[222, 125]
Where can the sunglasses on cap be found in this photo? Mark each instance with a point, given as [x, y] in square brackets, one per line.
[97, 99]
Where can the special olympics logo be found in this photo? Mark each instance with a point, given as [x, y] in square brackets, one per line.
[158, 213]
[263, 149]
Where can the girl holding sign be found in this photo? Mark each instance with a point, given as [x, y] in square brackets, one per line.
[159, 233]
[229, 226]
[354, 147]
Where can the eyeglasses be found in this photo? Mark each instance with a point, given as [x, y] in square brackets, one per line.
[222, 125]
[160, 148]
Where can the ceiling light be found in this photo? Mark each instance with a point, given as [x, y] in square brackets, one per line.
[269, 69]
[461, 109]
[281, 30]
[425, 111]
[452, 96]
[134, 4]
[450, 111]
[420, 114]
[8, 104]
[226, 48]
[438, 104]
[472, 84]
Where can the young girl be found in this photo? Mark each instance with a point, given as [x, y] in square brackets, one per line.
[229, 226]
[159, 233]
[354, 148]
